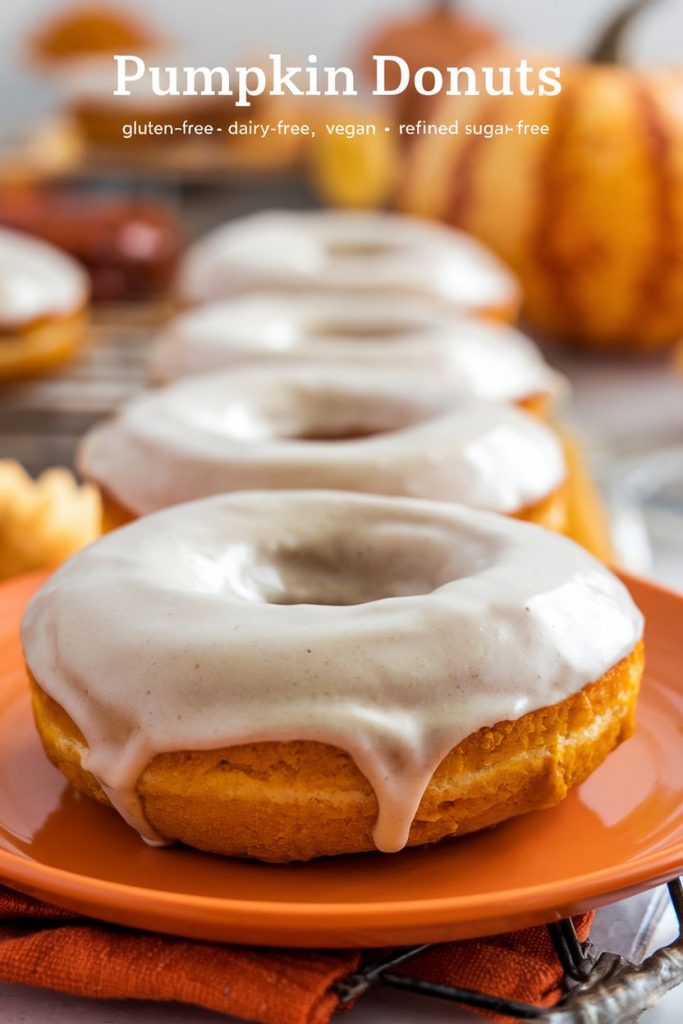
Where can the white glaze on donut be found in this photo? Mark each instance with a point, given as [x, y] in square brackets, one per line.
[36, 281]
[402, 336]
[331, 251]
[389, 628]
[312, 427]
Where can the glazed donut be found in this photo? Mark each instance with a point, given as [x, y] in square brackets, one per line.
[296, 427]
[289, 675]
[331, 251]
[407, 336]
[43, 303]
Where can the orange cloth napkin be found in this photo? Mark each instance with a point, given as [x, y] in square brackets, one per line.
[53, 948]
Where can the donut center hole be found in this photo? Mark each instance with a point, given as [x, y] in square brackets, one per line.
[335, 416]
[356, 330]
[321, 577]
[329, 434]
[315, 413]
[354, 249]
[365, 563]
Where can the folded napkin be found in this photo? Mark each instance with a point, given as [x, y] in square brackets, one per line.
[53, 948]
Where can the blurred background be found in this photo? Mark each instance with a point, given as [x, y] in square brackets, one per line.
[301, 26]
[127, 210]
[225, 31]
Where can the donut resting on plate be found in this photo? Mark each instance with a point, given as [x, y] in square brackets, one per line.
[291, 675]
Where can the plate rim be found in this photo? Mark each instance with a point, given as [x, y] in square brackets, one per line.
[316, 909]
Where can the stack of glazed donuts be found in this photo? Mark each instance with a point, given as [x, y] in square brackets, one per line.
[337, 608]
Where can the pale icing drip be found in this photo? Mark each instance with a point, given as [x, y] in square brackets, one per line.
[389, 628]
[129, 805]
[37, 280]
[331, 251]
[402, 336]
[312, 427]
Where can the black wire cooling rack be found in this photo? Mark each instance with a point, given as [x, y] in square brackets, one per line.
[42, 420]
[599, 987]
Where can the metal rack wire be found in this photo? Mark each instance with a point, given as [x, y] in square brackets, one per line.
[599, 987]
[42, 420]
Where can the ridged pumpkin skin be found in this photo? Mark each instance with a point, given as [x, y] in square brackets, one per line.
[438, 37]
[589, 216]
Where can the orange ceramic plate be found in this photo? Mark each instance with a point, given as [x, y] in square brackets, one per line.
[620, 832]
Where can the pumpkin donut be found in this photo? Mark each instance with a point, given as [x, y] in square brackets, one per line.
[408, 338]
[405, 336]
[335, 251]
[313, 427]
[43, 305]
[285, 676]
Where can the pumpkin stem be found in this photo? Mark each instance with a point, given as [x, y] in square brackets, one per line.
[441, 8]
[609, 47]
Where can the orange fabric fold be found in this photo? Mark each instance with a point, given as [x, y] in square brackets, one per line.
[53, 948]
[521, 965]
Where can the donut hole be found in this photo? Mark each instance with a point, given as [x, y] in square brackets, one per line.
[361, 249]
[358, 330]
[308, 412]
[327, 433]
[320, 576]
[329, 415]
[352, 566]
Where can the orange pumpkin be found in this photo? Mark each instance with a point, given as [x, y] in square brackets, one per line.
[590, 216]
[88, 29]
[437, 37]
[358, 167]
